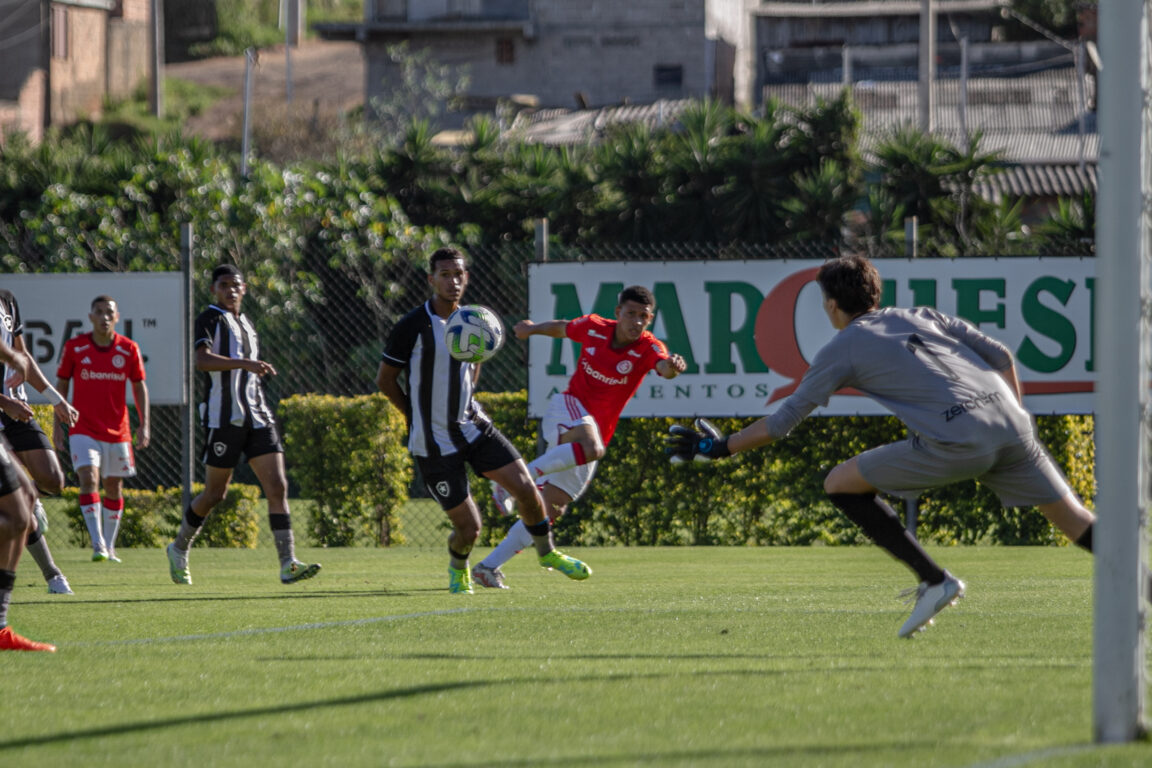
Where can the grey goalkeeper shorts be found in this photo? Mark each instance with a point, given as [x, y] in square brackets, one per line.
[1021, 473]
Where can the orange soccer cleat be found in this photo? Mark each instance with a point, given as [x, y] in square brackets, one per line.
[10, 641]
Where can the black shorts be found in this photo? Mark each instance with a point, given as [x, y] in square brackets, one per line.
[25, 435]
[224, 445]
[10, 480]
[447, 478]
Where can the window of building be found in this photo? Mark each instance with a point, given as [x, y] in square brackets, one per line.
[668, 76]
[59, 32]
[505, 51]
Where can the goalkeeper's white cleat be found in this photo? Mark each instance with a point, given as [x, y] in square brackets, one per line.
[930, 600]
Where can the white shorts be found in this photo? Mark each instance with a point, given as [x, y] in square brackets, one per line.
[565, 412]
[111, 459]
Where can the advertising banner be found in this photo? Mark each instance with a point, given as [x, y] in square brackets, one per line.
[55, 307]
[747, 329]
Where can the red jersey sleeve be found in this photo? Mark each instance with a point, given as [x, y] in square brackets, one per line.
[67, 362]
[136, 365]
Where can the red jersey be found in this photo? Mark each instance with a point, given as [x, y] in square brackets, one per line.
[607, 377]
[99, 375]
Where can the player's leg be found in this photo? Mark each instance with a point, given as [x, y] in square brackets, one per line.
[269, 469]
[118, 463]
[16, 495]
[87, 456]
[857, 498]
[572, 436]
[466, 522]
[487, 572]
[48, 477]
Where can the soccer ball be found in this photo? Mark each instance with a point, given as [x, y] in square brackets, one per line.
[474, 334]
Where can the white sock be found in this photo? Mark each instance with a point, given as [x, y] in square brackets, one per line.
[515, 540]
[111, 519]
[555, 459]
[93, 513]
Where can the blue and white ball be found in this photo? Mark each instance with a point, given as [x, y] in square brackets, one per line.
[474, 334]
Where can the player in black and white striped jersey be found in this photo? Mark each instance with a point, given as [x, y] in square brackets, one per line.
[28, 441]
[238, 422]
[447, 428]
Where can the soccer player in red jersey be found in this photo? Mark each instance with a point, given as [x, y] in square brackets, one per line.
[614, 358]
[102, 362]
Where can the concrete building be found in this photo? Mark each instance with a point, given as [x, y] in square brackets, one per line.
[60, 59]
[560, 52]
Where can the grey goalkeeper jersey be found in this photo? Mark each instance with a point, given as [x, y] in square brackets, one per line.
[936, 373]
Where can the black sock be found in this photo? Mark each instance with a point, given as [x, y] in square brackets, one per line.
[881, 524]
[1085, 540]
[458, 560]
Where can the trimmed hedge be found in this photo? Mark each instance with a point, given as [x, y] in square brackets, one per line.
[775, 495]
[151, 518]
[348, 455]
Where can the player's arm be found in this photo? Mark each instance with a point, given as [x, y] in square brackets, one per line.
[671, 367]
[35, 377]
[143, 413]
[554, 328]
[59, 436]
[15, 409]
[706, 443]
[207, 360]
[388, 382]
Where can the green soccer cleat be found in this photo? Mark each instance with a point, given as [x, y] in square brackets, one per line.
[459, 581]
[178, 565]
[99, 557]
[569, 566]
[297, 571]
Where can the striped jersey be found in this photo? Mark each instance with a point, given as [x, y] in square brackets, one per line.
[11, 326]
[233, 395]
[443, 417]
[936, 373]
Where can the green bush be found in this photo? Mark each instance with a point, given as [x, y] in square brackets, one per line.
[348, 455]
[775, 496]
[151, 518]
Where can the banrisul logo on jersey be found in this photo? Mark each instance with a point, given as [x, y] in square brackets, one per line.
[748, 329]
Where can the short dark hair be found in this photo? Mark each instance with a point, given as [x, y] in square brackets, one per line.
[853, 282]
[226, 269]
[638, 294]
[446, 253]
[99, 299]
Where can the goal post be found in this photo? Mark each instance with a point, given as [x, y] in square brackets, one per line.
[1122, 344]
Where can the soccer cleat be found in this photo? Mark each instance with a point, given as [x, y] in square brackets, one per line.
[178, 565]
[459, 581]
[297, 571]
[504, 503]
[10, 641]
[112, 557]
[58, 585]
[99, 556]
[930, 600]
[492, 578]
[569, 566]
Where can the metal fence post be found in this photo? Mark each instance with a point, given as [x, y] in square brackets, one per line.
[187, 422]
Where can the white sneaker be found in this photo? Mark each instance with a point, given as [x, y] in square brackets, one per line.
[58, 585]
[504, 502]
[930, 600]
[493, 578]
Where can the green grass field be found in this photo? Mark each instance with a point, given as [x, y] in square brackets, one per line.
[665, 657]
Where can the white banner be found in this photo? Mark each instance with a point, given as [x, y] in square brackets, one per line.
[748, 328]
[55, 308]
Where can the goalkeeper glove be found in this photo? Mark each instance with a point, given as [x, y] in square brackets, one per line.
[704, 443]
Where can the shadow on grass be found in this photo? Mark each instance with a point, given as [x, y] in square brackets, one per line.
[206, 718]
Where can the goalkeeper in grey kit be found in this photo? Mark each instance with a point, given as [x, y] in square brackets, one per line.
[956, 390]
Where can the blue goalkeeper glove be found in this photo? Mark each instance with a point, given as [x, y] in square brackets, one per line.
[704, 443]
